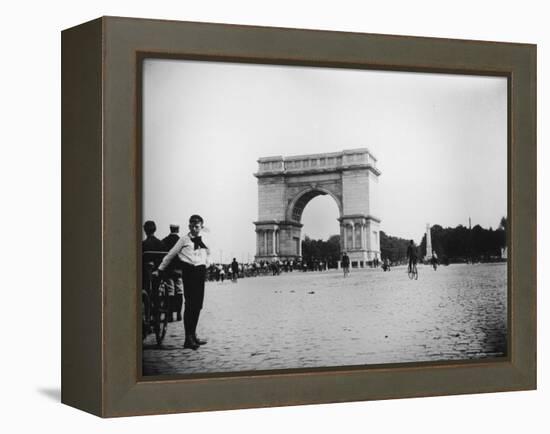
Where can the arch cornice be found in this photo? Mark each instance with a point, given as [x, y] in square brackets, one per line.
[288, 173]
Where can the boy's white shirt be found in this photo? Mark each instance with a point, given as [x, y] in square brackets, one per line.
[185, 250]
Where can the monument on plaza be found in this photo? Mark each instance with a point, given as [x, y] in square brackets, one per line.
[287, 184]
[429, 251]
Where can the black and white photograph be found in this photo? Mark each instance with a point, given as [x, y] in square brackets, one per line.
[305, 217]
[276, 217]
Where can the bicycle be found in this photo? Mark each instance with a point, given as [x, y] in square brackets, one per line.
[346, 271]
[155, 305]
[413, 272]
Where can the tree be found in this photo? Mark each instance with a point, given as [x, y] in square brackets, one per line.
[321, 250]
[393, 248]
[461, 244]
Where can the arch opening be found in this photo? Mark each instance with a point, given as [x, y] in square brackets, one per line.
[301, 203]
[297, 206]
[320, 235]
[319, 218]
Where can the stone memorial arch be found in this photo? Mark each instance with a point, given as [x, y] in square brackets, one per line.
[287, 184]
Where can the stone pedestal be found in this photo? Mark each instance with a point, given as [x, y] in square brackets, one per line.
[278, 241]
[360, 238]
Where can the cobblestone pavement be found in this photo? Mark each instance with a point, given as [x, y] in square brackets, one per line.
[304, 320]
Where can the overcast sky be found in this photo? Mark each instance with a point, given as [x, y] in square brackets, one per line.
[440, 141]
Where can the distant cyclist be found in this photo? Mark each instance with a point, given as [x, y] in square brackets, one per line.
[412, 255]
[434, 260]
[234, 270]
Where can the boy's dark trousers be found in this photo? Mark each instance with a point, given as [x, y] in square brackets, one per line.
[193, 293]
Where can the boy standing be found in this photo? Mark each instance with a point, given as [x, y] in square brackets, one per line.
[192, 256]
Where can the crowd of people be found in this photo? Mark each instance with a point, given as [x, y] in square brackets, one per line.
[183, 264]
[220, 272]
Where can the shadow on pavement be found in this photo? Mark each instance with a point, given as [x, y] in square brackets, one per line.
[51, 393]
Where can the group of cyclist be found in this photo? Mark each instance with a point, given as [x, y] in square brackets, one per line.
[412, 258]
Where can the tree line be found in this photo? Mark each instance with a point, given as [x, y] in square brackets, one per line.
[458, 244]
[328, 250]
[462, 244]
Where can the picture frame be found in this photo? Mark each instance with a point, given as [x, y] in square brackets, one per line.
[101, 187]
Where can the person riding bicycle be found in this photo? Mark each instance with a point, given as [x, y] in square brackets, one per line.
[234, 270]
[434, 261]
[153, 250]
[412, 255]
[151, 243]
[345, 263]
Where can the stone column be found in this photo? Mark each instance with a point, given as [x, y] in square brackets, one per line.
[344, 235]
[368, 236]
[353, 236]
[274, 237]
[265, 244]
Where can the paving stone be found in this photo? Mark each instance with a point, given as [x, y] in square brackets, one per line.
[371, 317]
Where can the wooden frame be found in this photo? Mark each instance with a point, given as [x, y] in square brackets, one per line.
[101, 228]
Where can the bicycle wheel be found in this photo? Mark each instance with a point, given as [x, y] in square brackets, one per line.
[145, 315]
[413, 273]
[161, 311]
